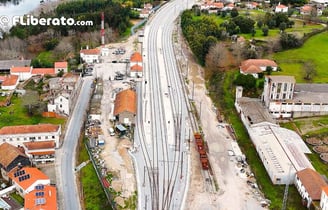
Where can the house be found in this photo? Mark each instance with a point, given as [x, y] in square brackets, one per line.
[17, 135]
[281, 8]
[252, 5]
[228, 7]
[125, 107]
[104, 51]
[27, 178]
[23, 73]
[61, 104]
[324, 198]
[306, 10]
[146, 11]
[282, 151]
[64, 93]
[60, 66]
[9, 82]
[285, 99]
[40, 152]
[136, 71]
[256, 66]
[42, 197]
[309, 184]
[11, 157]
[90, 55]
[136, 58]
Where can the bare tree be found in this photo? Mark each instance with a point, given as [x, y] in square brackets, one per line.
[217, 58]
[309, 70]
[64, 48]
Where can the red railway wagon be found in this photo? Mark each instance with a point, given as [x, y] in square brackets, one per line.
[201, 150]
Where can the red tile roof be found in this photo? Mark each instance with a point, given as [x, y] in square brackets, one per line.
[50, 198]
[20, 69]
[35, 174]
[256, 62]
[312, 182]
[42, 153]
[126, 100]
[325, 190]
[136, 57]
[40, 145]
[43, 71]
[306, 8]
[90, 51]
[2, 78]
[136, 68]
[281, 6]
[11, 153]
[218, 4]
[61, 64]
[22, 129]
[10, 80]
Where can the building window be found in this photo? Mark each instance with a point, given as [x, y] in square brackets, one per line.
[277, 96]
[46, 137]
[271, 96]
[10, 139]
[284, 96]
[285, 86]
[17, 139]
[278, 179]
[60, 106]
[25, 138]
[4, 140]
[53, 137]
[61, 100]
[32, 138]
[279, 87]
[39, 137]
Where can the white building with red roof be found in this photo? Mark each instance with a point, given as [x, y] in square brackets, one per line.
[9, 82]
[40, 152]
[60, 66]
[90, 55]
[256, 66]
[281, 8]
[42, 197]
[23, 73]
[26, 179]
[17, 135]
[136, 67]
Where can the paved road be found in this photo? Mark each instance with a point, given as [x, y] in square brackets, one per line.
[65, 156]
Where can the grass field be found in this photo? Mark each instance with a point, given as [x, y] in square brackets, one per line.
[16, 114]
[93, 194]
[291, 61]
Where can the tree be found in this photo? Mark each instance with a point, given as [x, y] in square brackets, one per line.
[289, 41]
[282, 26]
[245, 24]
[234, 13]
[309, 70]
[247, 81]
[269, 70]
[216, 58]
[259, 24]
[265, 31]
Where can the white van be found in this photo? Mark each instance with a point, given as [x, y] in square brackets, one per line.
[111, 131]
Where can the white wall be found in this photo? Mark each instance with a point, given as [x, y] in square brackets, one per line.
[324, 201]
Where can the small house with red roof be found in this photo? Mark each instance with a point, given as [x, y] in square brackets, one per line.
[23, 72]
[136, 68]
[40, 152]
[90, 55]
[309, 184]
[10, 158]
[281, 8]
[256, 66]
[60, 66]
[27, 178]
[42, 197]
[9, 82]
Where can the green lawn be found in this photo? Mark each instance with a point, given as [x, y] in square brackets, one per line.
[16, 114]
[313, 50]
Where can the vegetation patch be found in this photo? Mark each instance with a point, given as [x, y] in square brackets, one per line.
[17, 114]
[93, 194]
[292, 61]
